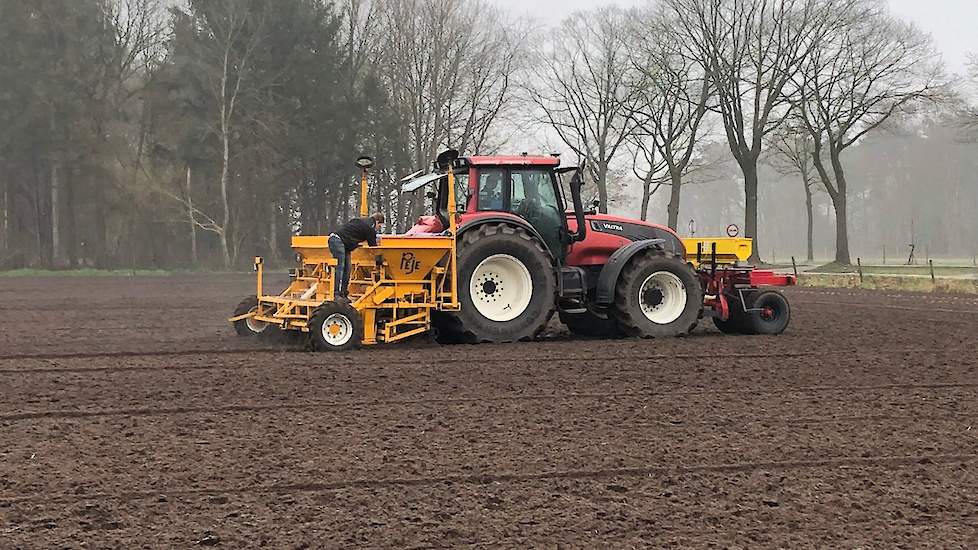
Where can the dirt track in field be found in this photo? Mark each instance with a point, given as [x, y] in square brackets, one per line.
[130, 416]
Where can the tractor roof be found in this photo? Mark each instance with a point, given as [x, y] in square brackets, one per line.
[520, 160]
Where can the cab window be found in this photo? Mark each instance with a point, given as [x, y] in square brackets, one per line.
[491, 192]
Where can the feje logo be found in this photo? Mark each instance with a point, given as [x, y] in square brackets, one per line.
[409, 264]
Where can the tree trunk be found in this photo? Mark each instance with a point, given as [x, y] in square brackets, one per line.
[100, 232]
[70, 219]
[811, 222]
[272, 234]
[55, 214]
[749, 168]
[674, 194]
[4, 221]
[839, 201]
[602, 188]
[841, 231]
[192, 219]
[225, 161]
[646, 196]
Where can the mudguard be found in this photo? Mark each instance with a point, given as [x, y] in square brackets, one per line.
[477, 221]
[609, 273]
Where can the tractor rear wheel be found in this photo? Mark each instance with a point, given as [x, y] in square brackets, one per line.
[335, 327]
[250, 327]
[506, 287]
[657, 295]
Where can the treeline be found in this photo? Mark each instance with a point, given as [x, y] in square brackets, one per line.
[136, 134]
[143, 133]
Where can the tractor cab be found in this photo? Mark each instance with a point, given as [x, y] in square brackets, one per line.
[525, 187]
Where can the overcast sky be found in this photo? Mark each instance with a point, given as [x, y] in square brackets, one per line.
[952, 23]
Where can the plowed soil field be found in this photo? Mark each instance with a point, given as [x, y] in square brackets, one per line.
[132, 416]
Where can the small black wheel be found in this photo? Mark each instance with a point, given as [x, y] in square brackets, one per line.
[736, 322]
[590, 325]
[335, 326]
[249, 327]
[769, 313]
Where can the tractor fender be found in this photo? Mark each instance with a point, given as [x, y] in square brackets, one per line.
[608, 278]
[474, 223]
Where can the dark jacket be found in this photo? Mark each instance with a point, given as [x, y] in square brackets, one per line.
[356, 231]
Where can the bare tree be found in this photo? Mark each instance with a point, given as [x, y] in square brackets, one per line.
[791, 149]
[233, 33]
[752, 50]
[579, 86]
[970, 114]
[448, 65]
[671, 94]
[854, 79]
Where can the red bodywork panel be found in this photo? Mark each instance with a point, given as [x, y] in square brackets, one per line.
[598, 246]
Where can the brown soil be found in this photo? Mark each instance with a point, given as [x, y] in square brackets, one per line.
[131, 416]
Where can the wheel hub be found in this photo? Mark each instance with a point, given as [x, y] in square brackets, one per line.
[652, 297]
[501, 288]
[337, 329]
[489, 287]
[254, 325]
[662, 297]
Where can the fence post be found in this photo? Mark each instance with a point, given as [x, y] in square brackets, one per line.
[794, 266]
[884, 254]
[931, 262]
[859, 262]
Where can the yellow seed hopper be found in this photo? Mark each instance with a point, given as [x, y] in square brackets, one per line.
[394, 287]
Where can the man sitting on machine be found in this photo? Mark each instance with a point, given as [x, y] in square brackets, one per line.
[345, 240]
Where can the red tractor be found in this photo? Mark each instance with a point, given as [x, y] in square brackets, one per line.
[523, 254]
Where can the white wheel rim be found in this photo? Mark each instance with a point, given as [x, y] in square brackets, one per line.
[501, 288]
[254, 325]
[662, 297]
[337, 329]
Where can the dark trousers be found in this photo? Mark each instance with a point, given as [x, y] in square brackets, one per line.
[341, 279]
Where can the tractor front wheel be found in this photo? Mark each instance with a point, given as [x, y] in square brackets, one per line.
[656, 296]
[335, 327]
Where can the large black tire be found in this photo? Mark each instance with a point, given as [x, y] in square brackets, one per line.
[247, 327]
[340, 317]
[590, 325]
[770, 313]
[518, 247]
[632, 292]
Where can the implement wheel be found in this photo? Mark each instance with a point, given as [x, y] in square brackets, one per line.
[657, 295]
[335, 327]
[249, 327]
[737, 321]
[770, 313]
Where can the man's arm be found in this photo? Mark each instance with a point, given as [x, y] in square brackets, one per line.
[371, 233]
